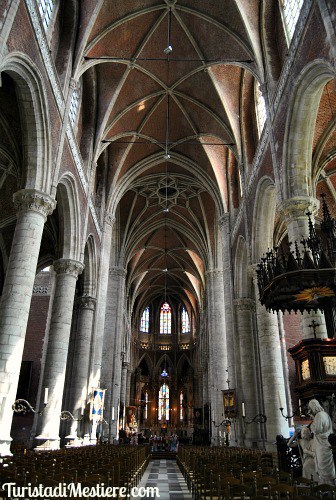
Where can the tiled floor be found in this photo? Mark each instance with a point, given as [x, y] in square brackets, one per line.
[166, 475]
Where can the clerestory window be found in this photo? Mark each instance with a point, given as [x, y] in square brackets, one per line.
[45, 8]
[185, 321]
[74, 103]
[144, 322]
[290, 10]
[260, 108]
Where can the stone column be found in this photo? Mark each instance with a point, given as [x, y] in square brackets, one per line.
[125, 366]
[294, 210]
[101, 300]
[81, 361]
[113, 337]
[128, 387]
[32, 208]
[248, 394]
[272, 373]
[217, 349]
[67, 271]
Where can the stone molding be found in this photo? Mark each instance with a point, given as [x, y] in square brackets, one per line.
[214, 272]
[68, 266]
[40, 290]
[86, 302]
[245, 304]
[295, 208]
[32, 200]
[118, 271]
[224, 221]
[109, 219]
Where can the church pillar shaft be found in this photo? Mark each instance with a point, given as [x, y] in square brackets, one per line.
[81, 363]
[245, 309]
[113, 339]
[32, 207]
[271, 372]
[101, 300]
[128, 387]
[295, 212]
[217, 349]
[67, 272]
[125, 366]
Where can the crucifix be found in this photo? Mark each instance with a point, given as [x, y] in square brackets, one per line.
[314, 325]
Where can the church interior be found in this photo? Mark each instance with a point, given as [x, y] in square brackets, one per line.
[167, 222]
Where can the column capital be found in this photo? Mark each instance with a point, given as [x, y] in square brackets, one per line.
[252, 271]
[295, 208]
[36, 201]
[118, 271]
[109, 218]
[68, 266]
[224, 221]
[86, 302]
[214, 272]
[245, 304]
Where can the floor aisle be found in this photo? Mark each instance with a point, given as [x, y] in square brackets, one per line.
[166, 475]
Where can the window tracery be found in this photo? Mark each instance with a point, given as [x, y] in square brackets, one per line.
[290, 10]
[185, 321]
[260, 108]
[74, 104]
[163, 413]
[144, 322]
[165, 318]
[45, 8]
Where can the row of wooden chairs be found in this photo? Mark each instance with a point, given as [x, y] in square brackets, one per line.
[242, 474]
[115, 466]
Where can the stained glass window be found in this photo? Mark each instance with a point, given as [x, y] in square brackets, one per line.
[146, 405]
[144, 323]
[164, 402]
[260, 108]
[45, 8]
[185, 321]
[165, 318]
[290, 13]
[181, 406]
[74, 106]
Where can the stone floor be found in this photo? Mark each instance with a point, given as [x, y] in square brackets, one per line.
[166, 475]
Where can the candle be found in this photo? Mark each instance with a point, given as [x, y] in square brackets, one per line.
[83, 408]
[299, 403]
[243, 409]
[220, 434]
[112, 412]
[46, 395]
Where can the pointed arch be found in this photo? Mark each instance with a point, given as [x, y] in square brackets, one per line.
[69, 217]
[34, 106]
[263, 217]
[90, 269]
[300, 128]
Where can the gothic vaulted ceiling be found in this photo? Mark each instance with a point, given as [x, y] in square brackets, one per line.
[169, 77]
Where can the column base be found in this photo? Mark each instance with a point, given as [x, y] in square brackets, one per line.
[74, 442]
[5, 445]
[47, 443]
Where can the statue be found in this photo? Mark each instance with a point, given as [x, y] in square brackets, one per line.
[306, 451]
[322, 428]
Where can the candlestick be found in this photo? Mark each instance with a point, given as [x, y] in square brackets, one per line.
[46, 390]
[243, 409]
